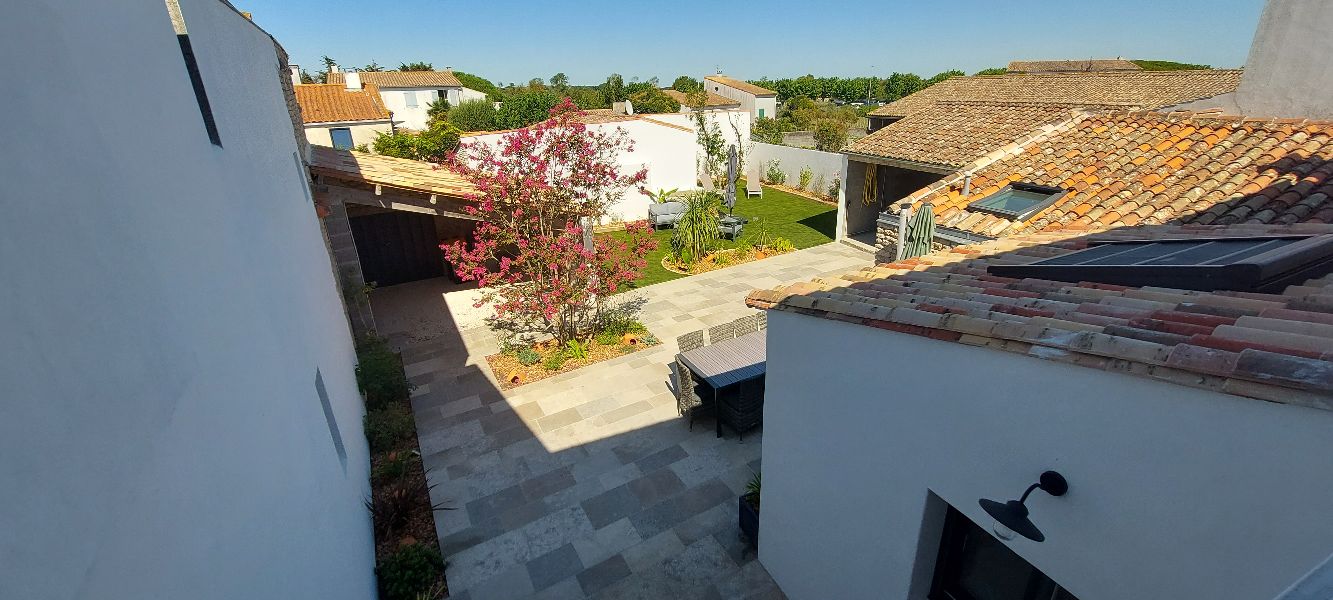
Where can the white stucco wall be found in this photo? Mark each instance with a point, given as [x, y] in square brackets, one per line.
[667, 153]
[1281, 79]
[395, 99]
[167, 303]
[363, 132]
[829, 165]
[733, 123]
[1174, 492]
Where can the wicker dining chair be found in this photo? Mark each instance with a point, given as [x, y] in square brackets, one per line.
[687, 399]
[763, 319]
[748, 324]
[720, 333]
[691, 341]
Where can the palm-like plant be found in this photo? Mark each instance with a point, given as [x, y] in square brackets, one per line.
[663, 195]
[696, 231]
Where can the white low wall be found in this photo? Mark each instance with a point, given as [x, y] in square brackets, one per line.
[1175, 492]
[667, 152]
[167, 305]
[831, 165]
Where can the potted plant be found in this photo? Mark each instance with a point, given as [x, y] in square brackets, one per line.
[749, 510]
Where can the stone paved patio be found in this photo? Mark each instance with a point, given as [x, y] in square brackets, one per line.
[586, 484]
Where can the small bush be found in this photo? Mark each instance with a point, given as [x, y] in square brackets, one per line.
[818, 186]
[473, 115]
[830, 135]
[409, 572]
[528, 357]
[773, 173]
[576, 350]
[834, 188]
[806, 175]
[391, 507]
[555, 360]
[649, 339]
[388, 426]
[379, 373]
[781, 244]
[393, 467]
[607, 338]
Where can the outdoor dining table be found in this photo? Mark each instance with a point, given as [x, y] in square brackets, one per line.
[728, 363]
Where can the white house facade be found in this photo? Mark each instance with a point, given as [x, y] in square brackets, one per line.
[338, 117]
[181, 411]
[1191, 442]
[759, 102]
[408, 94]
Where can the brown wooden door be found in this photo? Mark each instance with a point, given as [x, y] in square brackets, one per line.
[397, 247]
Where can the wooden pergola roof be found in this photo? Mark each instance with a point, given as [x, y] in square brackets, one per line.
[385, 171]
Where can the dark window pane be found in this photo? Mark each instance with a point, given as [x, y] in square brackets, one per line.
[342, 138]
[991, 571]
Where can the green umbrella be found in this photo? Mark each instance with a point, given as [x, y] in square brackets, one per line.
[920, 231]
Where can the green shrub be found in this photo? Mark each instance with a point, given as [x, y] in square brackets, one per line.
[834, 188]
[433, 144]
[379, 373]
[652, 101]
[607, 338]
[473, 115]
[393, 467]
[830, 135]
[576, 350]
[410, 571]
[388, 426]
[649, 339]
[555, 360]
[696, 231]
[613, 330]
[781, 244]
[527, 108]
[773, 172]
[806, 176]
[528, 357]
[437, 111]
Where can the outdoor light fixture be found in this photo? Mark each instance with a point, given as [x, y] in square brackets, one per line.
[1012, 517]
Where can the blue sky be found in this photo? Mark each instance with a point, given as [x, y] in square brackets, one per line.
[515, 41]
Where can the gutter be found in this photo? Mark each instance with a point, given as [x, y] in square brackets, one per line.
[958, 236]
[902, 164]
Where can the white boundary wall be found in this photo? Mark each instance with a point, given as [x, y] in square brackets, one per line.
[791, 160]
[167, 304]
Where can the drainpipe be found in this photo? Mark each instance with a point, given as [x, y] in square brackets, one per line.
[904, 214]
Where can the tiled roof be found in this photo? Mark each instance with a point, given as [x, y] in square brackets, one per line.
[329, 103]
[1052, 66]
[741, 85]
[1150, 169]
[387, 171]
[403, 79]
[1274, 347]
[1147, 90]
[712, 101]
[955, 133]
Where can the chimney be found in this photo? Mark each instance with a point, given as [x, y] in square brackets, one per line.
[352, 79]
[1280, 78]
[296, 73]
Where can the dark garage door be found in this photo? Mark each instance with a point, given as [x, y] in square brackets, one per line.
[397, 247]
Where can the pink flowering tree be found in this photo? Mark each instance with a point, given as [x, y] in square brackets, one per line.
[535, 191]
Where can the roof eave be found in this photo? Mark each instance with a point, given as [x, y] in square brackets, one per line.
[903, 163]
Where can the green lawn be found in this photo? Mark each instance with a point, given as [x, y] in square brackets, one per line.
[803, 221]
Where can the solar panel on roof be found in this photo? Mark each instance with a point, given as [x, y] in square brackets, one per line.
[1260, 264]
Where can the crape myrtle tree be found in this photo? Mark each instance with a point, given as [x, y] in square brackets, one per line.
[535, 189]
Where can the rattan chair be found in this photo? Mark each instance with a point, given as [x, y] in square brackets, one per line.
[721, 333]
[763, 319]
[691, 341]
[743, 408]
[746, 325]
[687, 399]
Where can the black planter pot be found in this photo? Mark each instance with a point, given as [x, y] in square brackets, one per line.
[749, 519]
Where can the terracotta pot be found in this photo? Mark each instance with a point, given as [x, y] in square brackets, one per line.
[629, 339]
[760, 256]
[513, 377]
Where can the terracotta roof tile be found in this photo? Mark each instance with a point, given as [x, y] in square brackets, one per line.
[1258, 177]
[749, 88]
[1058, 66]
[1143, 89]
[403, 79]
[332, 103]
[1274, 347]
[712, 100]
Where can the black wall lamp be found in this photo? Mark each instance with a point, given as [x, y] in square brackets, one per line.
[1012, 517]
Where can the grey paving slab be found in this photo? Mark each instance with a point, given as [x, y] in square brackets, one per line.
[586, 484]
